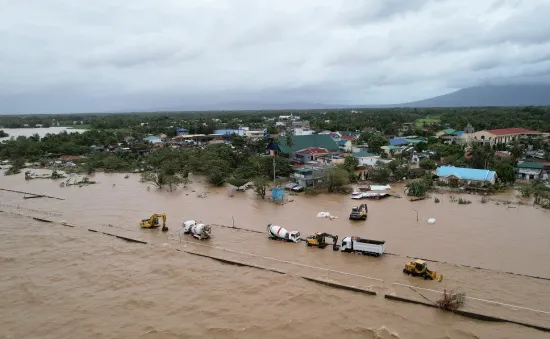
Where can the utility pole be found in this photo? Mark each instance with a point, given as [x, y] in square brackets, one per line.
[273, 170]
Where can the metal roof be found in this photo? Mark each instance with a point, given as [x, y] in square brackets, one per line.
[466, 173]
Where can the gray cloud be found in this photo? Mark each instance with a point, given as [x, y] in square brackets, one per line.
[62, 55]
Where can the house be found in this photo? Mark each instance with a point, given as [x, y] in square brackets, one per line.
[448, 131]
[345, 145]
[182, 131]
[500, 136]
[366, 158]
[466, 175]
[335, 136]
[398, 142]
[300, 142]
[392, 150]
[309, 154]
[153, 139]
[311, 175]
[531, 171]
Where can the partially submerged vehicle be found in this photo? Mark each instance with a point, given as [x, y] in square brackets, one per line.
[363, 246]
[419, 268]
[279, 233]
[319, 240]
[197, 230]
[359, 212]
[154, 222]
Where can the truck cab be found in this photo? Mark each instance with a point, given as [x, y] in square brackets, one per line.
[346, 245]
[294, 236]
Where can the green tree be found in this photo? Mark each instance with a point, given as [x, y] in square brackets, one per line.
[505, 172]
[427, 164]
[380, 173]
[260, 186]
[336, 179]
[517, 151]
[374, 141]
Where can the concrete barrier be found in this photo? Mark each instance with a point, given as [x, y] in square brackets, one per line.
[471, 315]
[42, 220]
[232, 262]
[340, 286]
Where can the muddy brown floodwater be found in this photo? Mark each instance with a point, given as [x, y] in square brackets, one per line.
[67, 282]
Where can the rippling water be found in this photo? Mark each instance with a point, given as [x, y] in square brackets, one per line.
[67, 282]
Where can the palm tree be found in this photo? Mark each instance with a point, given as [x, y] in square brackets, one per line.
[516, 150]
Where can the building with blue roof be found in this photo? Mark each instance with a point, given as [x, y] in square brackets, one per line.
[466, 175]
[398, 142]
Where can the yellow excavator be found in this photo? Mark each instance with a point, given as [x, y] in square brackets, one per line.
[318, 239]
[419, 268]
[154, 222]
[359, 212]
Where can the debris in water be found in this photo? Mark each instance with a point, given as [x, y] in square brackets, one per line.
[326, 215]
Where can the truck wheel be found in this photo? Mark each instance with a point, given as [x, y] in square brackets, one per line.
[405, 271]
[425, 277]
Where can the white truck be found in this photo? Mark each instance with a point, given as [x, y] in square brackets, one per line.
[363, 246]
[278, 233]
[199, 231]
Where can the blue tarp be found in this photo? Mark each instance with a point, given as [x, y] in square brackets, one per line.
[277, 194]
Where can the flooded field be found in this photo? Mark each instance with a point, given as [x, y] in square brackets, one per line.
[100, 285]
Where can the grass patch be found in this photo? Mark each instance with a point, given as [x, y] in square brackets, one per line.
[426, 121]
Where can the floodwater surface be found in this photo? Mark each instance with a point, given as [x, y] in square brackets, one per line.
[68, 282]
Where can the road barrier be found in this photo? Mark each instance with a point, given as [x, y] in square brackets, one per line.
[471, 315]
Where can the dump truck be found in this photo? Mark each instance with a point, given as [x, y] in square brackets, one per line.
[279, 233]
[363, 246]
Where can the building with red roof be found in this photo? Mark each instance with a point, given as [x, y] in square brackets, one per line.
[500, 136]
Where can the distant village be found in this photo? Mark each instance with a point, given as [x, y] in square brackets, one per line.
[313, 152]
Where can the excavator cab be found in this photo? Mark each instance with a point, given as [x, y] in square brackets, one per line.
[359, 212]
[318, 240]
[420, 266]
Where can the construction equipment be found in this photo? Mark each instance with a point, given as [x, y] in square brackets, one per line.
[278, 233]
[363, 246]
[199, 231]
[154, 222]
[359, 212]
[318, 239]
[419, 268]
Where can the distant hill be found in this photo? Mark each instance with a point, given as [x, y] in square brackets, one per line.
[505, 95]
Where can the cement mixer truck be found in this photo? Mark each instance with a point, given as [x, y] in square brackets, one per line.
[199, 231]
[278, 233]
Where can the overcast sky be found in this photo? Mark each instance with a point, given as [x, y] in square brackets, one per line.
[99, 55]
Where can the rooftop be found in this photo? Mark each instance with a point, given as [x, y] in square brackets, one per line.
[313, 150]
[534, 165]
[364, 154]
[449, 131]
[398, 141]
[512, 131]
[466, 173]
[300, 142]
